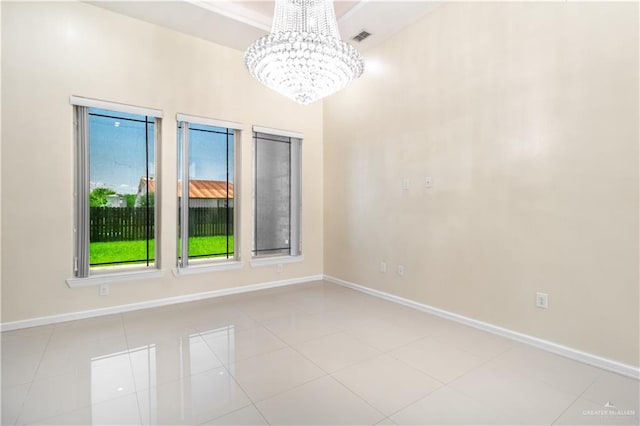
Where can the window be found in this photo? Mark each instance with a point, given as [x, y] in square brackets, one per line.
[277, 193]
[115, 186]
[207, 213]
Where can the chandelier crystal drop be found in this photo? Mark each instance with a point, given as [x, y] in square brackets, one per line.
[304, 57]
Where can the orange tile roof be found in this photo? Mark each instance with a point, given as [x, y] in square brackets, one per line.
[199, 188]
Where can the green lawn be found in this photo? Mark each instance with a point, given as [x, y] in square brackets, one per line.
[124, 251]
[207, 245]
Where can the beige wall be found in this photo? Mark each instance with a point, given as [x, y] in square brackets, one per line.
[526, 117]
[52, 50]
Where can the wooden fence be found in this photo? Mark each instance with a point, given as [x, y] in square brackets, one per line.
[130, 223]
[206, 221]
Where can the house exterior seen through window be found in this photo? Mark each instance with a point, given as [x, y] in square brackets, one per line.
[206, 193]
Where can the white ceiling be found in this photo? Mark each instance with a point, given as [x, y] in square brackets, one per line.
[238, 23]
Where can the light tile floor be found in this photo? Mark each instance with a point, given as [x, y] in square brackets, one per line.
[313, 353]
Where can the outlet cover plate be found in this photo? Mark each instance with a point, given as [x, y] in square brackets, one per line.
[542, 300]
[104, 289]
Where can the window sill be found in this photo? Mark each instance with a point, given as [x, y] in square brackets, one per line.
[275, 260]
[209, 267]
[106, 278]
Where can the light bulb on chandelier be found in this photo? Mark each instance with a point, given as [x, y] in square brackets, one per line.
[304, 57]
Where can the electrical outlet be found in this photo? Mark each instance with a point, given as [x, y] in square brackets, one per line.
[104, 289]
[405, 184]
[383, 267]
[428, 183]
[400, 270]
[542, 300]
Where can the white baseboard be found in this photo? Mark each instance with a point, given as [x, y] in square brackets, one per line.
[53, 319]
[575, 354]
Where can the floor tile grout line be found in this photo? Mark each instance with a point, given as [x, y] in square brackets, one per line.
[519, 375]
[288, 346]
[395, 412]
[133, 375]
[415, 368]
[180, 379]
[257, 401]
[360, 398]
[274, 335]
[262, 414]
[35, 374]
[444, 384]
[493, 406]
[262, 320]
[380, 352]
[395, 347]
[577, 398]
[459, 347]
[44, 351]
[82, 407]
[324, 336]
[251, 404]
[33, 381]
[235, 410]
[250, 398]
[571, 404]
[417, 400]
[301, 341]
[329, 374]
[260, 354]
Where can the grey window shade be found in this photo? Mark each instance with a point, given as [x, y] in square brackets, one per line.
[277, 195]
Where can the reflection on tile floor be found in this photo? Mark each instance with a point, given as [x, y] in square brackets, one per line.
[313, 353]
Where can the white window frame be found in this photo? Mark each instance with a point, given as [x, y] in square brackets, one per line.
[185, 266]
[84, 275]
[295, 249]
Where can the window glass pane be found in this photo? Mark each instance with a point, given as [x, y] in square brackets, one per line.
[122, 188]
[273, 196]
[211, 192]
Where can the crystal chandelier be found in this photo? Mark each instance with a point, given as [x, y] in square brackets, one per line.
[304, 57]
